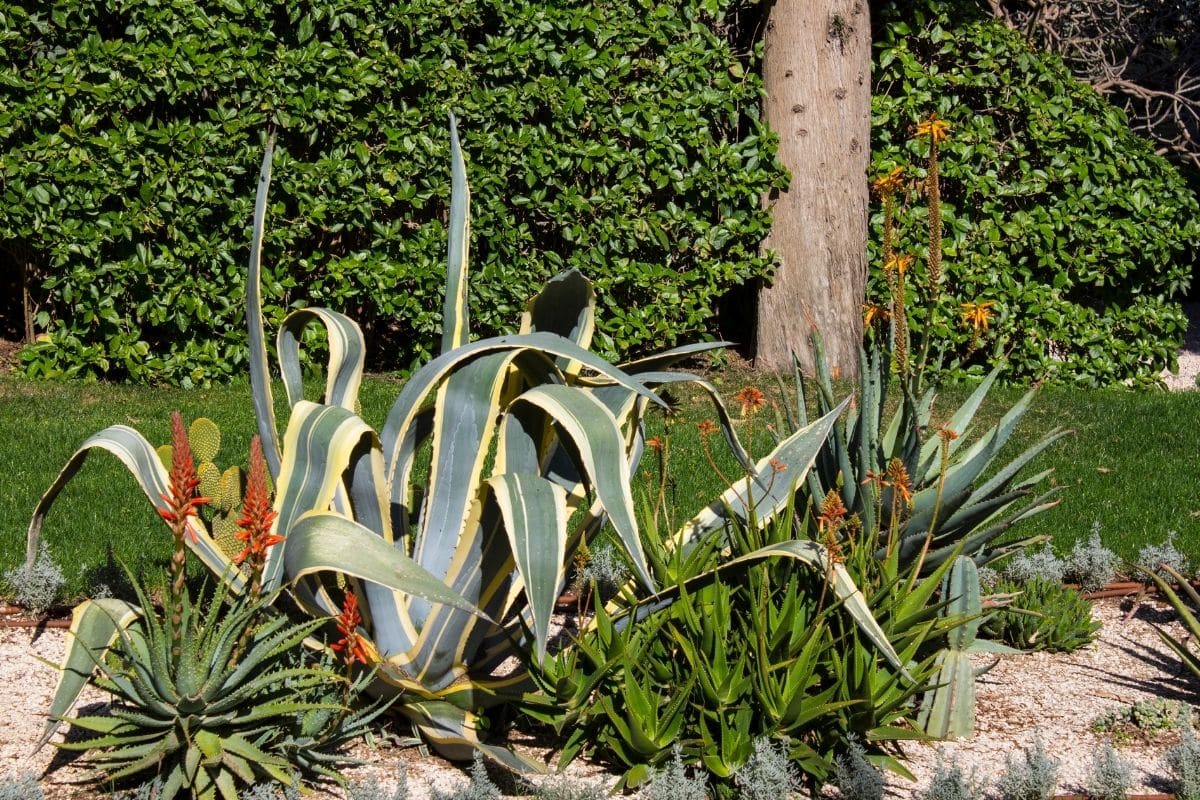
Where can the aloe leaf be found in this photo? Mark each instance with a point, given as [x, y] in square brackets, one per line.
[841, 582]
[95, 625]
[960, 423]
[347, 354]
[260, 376]
[143, 463]
[535, 518]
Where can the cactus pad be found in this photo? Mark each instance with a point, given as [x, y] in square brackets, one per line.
[205, 438]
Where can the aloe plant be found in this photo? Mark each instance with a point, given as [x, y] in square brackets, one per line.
[529, 441]
[954, 500]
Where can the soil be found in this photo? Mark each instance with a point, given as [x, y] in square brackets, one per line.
[1055, 696]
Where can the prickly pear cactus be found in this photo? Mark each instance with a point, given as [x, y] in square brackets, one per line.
[224, 489]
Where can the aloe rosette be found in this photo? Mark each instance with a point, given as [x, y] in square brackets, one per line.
[456, 522]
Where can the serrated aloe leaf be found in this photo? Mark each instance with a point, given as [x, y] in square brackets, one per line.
[842, 584]
[347, 354]
[321, 542]
[95, 625]
[960, 422]
[260, 375]
[143, 463]
[535, 519]
[455, 319]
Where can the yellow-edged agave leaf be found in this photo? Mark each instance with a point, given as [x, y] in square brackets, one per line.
[260, 375]
[328, 542]
[426, 380]
[596, 437]
[318, 447]
[455, 322]
[146, 467]
[95, 625]
[769, 488]
[566, 305]
[535, 519]
[465, 417]
[454, 733]
[347, 353]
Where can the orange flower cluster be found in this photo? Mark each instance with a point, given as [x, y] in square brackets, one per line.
[353, 646]
[935, 128]
[833, 512]
[254, 526]
[978, 315]
[707, 428]
[890, 183]
[181, 498]
[751, 400]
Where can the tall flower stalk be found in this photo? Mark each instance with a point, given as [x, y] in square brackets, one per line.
[182, 502]
[936, 130]
[254, 528]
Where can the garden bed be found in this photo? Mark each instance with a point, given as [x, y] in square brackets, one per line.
[1055, 695]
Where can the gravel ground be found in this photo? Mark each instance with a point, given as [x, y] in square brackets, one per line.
[1054, 696]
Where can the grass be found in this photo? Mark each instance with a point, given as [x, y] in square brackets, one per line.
[1129, 466]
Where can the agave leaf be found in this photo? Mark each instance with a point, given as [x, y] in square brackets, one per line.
[765, 492]
[455, 319]
[95, 625]
[465, 415]
[416, 391]
[318, 446]
[535, 517]
[322, 541]
[596, 438]
[454, 733]
[260, 376]
[566, 305]
[143, 463]
[347, 354]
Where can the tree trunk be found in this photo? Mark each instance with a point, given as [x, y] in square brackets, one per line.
[817, 72]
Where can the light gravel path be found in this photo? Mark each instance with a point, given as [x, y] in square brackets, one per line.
[1057, 696]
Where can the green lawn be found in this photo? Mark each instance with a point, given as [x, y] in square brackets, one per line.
[1130, 465]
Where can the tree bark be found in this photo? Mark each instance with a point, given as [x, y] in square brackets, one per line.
[817, 73]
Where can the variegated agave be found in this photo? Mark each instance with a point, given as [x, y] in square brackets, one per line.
[529, 442]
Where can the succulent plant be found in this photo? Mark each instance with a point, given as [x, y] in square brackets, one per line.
[530, 443]
[198, 719]
[942, 505]
[948, 709]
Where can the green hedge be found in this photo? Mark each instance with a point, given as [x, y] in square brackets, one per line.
[621, 138]
[1082, 237]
